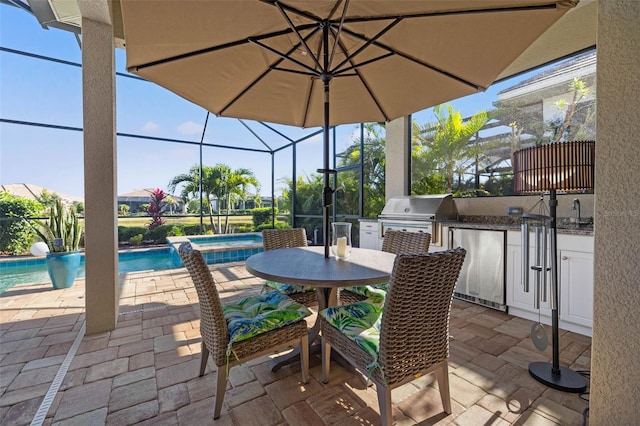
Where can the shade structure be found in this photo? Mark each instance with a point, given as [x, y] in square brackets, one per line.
[323, 63]
[567, 167]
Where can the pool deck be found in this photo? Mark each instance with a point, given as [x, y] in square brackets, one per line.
[146, 370]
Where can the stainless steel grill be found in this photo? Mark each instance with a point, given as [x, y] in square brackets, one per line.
[418, 213]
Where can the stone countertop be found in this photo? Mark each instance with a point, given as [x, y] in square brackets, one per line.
[507, 223]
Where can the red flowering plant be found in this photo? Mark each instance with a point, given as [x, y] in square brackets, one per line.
[156, 208]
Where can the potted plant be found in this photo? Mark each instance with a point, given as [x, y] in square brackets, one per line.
[61, 233]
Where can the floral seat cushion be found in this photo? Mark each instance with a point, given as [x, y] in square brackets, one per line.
[370, 291]
[258, 314]
[359, 322]
[289, 288]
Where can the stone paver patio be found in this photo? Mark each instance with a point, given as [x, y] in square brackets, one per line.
[146, 370]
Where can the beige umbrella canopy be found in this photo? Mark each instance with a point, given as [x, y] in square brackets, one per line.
[323, 63]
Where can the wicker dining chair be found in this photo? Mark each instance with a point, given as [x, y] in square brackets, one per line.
[215, 327]
[396, 242]
[408, 336]
[273, 239]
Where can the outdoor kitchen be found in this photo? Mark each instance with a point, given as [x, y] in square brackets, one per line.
[492, 272]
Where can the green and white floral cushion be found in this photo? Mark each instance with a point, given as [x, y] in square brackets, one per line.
[370, 291]
[359, 322]
[258, 314]
[289, 288]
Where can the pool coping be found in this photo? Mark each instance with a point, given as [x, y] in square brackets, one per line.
[176, 241]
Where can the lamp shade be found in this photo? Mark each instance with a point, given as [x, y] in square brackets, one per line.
[565, 167]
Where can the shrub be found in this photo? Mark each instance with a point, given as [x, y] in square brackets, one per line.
[16, 236]
[136, 240]
[176, 231]
[126, 232]
[261, 216]
[159, 234]
[279, 225]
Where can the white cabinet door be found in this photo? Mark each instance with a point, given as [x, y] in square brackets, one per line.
[576, 287]
[369, 235]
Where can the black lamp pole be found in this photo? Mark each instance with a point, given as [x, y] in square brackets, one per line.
[552, 374]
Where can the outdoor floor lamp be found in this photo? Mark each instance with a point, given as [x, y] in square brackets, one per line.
[564, 167]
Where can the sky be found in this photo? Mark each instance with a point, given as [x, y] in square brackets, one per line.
[33, 90]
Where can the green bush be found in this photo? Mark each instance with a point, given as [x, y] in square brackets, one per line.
[195, 229]
[136, 240]
[279, 225]
[244, 228]
[126, 232]
[261, 216]
[176, 231]
[16, 236]
[158, 235]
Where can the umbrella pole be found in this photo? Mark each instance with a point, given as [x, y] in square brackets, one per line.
[327, 193]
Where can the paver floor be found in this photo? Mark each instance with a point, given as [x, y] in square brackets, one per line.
[146, 370]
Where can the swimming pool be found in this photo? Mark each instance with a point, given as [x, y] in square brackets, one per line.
[214, 248]
[222, 248]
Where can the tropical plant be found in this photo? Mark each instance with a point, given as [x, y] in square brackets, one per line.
[16, 236]
[220, 182]
[156, 208]
[441, 146]
[62, 231]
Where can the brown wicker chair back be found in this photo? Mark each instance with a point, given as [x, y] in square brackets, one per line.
[394, 242]
[273, 239]
[284, 238]
[414, 331]
[213, 326]
[405, 242]
[215, 338]
[415, 322]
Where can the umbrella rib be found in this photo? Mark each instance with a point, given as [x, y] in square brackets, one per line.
[550, 5]
[364, 82]
[368, 42]
[297, 33]
[337, 34]
[287, 57]
[418, 61]
[216, 48]
[264, 74]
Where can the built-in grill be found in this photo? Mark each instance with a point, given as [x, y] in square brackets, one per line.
[418, 213]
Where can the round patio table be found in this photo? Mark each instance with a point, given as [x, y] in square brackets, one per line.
[307, 266]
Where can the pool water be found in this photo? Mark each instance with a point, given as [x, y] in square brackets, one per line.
[34, 270]
[227, 240]
[215, 249]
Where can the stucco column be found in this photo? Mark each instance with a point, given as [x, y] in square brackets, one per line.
[615, 358]
[398, 154]
[99, 118]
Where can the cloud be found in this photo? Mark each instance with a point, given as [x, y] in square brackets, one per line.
[150, 126]
[190, 128]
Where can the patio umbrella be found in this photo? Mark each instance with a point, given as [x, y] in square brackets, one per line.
[323, 63]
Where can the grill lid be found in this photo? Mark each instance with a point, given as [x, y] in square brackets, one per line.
[420, 207]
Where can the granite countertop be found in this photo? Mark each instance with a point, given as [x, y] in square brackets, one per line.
[506, 223]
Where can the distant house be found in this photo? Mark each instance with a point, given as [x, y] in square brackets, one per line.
[136, 199]
[33, 192]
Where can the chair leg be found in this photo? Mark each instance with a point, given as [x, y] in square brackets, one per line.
[384, 402]
[442, 375]
[326, 359]
[304, 357]
[221, 387]
[204, 357]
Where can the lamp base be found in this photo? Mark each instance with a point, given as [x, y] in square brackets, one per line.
[567, 381]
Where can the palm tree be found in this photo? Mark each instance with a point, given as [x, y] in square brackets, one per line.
[192, 186]
[446, 142]
[219, 181]
[235, 186]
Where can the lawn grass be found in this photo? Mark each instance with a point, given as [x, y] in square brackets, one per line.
[182, 220]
